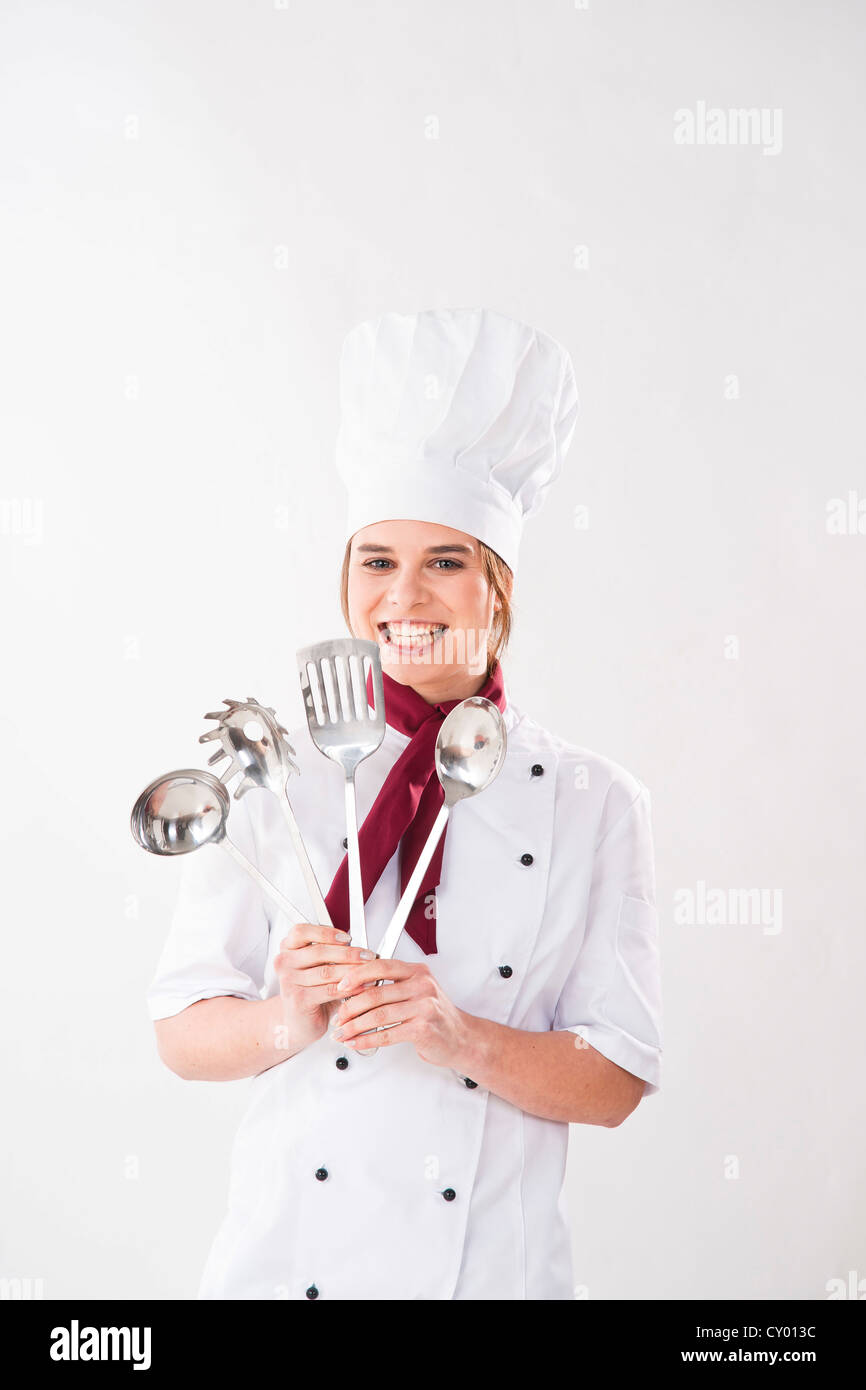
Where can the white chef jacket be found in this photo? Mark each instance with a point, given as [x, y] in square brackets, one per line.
[427, 1187]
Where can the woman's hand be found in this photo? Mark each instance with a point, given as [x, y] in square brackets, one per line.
[414, 1002]
[311, 959]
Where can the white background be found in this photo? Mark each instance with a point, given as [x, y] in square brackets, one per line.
[199, 199]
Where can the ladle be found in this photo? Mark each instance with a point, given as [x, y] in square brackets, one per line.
[182, 811]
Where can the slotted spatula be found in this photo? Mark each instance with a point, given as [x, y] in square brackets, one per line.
[344, 727]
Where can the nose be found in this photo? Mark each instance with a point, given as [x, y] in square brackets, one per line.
[407, 588]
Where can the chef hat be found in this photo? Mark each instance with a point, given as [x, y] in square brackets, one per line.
[455, 416]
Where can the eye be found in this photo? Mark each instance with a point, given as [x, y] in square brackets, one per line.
[440, 560]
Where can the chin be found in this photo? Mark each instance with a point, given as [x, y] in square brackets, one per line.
[413, 672]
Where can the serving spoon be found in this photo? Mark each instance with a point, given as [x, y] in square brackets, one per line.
[470, 750]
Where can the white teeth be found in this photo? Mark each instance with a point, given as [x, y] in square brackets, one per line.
[392, 630]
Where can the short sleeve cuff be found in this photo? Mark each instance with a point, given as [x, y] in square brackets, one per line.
[168, 1006]
[629, 1053]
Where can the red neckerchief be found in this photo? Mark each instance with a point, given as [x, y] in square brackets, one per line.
[406, 807]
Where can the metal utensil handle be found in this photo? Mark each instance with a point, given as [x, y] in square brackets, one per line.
[395, 927]
[315, 892]
[398, 921]
[357, 920]
[404, 907]
[293, 913]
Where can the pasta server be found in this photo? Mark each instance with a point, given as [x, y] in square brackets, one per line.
[257, 746]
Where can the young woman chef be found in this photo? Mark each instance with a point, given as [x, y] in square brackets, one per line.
[525, 990]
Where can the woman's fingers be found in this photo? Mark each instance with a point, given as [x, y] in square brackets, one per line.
[308, 945]
[317, 983]
[388, 969]
[369, 998]
[315, 995]
[383, 1038]
[315, 964]
[318, 953]
[304, 933]
[400, 1012]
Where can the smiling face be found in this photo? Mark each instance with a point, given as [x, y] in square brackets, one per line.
[419, 590]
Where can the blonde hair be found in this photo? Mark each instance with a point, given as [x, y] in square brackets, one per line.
[500, 580]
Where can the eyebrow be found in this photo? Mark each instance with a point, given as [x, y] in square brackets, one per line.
[431, 549]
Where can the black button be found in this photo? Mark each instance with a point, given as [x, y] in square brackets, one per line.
[312, 1292]
[342, 1063]
[526, 859]
[506, 972]
[537, 770]
[449, 1194]
[470, 1084]
[321, 1174]
[346, 844]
